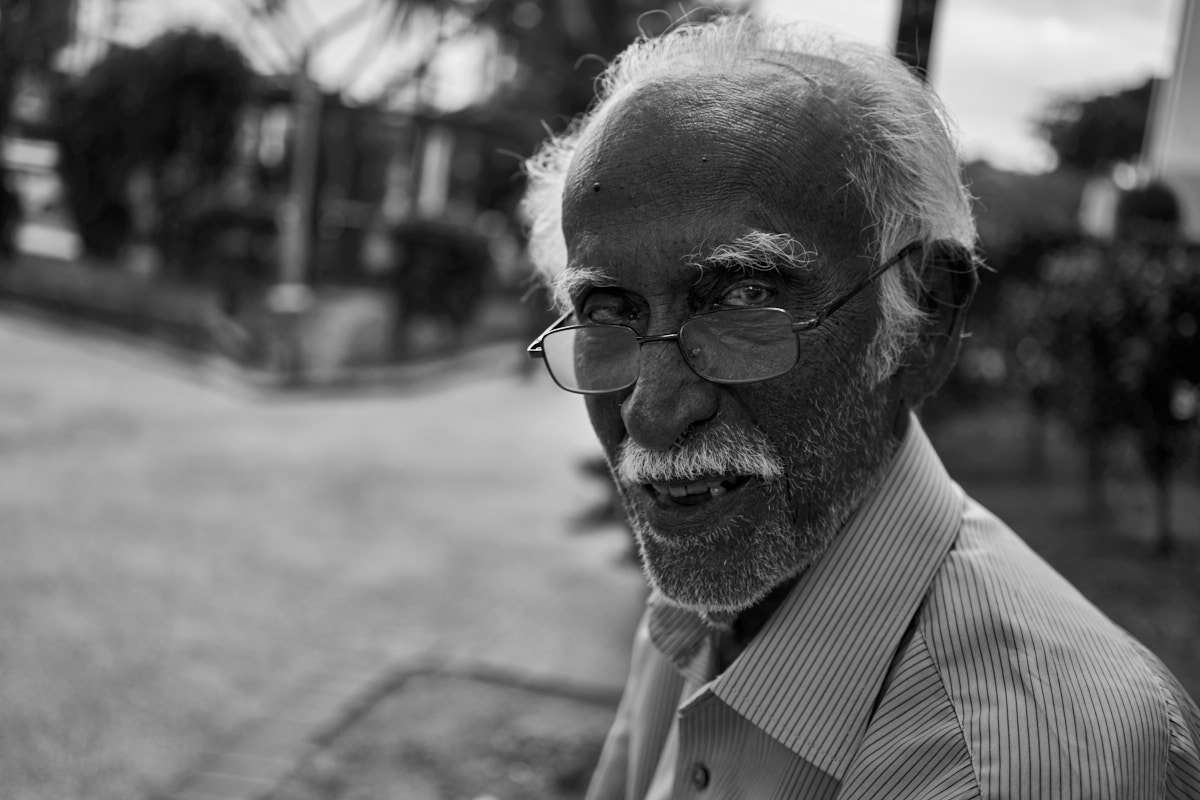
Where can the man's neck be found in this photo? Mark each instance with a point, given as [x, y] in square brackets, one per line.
[735, 630]
[735, 635]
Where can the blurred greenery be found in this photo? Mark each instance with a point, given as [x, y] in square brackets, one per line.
[147, 138]
[1093, 132]
[31, 33]
[146, 129]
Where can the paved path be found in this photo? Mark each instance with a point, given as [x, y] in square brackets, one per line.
[425, 526]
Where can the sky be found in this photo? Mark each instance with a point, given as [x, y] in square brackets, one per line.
[996, 63]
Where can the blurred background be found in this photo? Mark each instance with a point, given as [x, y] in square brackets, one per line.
[284, 510]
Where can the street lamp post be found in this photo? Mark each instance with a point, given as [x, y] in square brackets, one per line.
[914, 34]
[292, 296]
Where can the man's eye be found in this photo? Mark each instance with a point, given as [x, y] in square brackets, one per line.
[747, 295]
[606, 310]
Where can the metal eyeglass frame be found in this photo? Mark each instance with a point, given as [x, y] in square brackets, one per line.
[536, 349]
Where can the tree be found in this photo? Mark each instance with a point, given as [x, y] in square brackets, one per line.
[1094, 132]
[167, 112]
[31, 33]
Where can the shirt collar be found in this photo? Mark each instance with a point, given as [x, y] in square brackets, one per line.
[677, 633]
[810, 677]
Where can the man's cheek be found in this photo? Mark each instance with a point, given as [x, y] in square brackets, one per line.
[605, 414]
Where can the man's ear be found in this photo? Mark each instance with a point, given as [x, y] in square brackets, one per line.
[950, 277]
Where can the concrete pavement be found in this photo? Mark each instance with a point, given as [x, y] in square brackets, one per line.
[453, 496]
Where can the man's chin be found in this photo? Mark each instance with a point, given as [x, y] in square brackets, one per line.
[725, 551]
[726, 569]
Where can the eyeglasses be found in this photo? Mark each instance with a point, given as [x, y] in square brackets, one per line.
[732, 346]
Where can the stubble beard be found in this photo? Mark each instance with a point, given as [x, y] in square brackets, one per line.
[828, 467]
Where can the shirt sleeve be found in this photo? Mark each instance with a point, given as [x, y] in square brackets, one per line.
[608, 780]
[1183, 760]
[611, 775]
[1182, 778]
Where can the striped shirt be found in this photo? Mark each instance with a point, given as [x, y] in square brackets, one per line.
[929, 654]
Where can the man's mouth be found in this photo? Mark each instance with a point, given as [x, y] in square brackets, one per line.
[695, 492]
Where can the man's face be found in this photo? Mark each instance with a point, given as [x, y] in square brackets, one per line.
[731, 489]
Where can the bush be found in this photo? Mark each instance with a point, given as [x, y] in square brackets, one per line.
[170, 109]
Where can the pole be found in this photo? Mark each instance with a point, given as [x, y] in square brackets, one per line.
[1171, 149]
[292, 297]
[914, 34]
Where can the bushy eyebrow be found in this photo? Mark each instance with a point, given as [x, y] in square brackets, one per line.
[571, 282]
[757, 250]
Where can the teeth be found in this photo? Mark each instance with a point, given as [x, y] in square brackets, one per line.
[709, 487]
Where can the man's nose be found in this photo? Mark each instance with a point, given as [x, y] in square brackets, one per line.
[667, 399]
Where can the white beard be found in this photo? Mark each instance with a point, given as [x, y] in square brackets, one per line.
[833, 463]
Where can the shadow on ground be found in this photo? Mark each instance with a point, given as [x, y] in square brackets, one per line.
[443, 736]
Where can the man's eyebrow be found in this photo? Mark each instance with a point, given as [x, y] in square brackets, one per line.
[758, 250]
[570, 282]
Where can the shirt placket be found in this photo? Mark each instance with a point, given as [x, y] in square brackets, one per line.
[688, 756]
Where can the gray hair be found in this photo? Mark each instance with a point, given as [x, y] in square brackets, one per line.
[905, 166]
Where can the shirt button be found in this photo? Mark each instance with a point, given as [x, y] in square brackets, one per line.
[700, 776]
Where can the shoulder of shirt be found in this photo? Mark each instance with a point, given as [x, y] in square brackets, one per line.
[1046, 688]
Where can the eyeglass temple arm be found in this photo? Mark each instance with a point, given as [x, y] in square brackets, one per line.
[535, 349]
[902, 254]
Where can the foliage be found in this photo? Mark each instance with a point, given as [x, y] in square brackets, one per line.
[169, 110]
[559, 50]
[1019, 214]
[563, 48]
[442, 274]
[1108, 340]
[1092, 133]
[1151, 211]
[31, 32]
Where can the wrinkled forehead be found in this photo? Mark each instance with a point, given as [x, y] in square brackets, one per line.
[767, 141]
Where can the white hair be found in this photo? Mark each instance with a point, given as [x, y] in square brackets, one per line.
[720, 449]
[759, 250]
[905, 166]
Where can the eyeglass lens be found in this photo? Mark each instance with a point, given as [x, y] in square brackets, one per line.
[736, 346]
[601, 358]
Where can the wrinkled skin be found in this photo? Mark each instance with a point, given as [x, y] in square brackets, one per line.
[671, 171]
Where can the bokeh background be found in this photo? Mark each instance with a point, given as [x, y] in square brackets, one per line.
[284, 509]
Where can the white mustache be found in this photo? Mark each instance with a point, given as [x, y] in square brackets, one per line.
[718, 449]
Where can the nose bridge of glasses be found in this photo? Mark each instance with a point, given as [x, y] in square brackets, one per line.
[660, 337]
[654, 354]
[669, 395]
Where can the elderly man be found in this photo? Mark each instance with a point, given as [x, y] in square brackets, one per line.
[763, 248]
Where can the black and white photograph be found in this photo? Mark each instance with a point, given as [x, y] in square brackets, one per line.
[599, 399]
